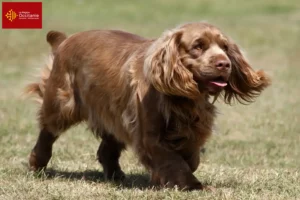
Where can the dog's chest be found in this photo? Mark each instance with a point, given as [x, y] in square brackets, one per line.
[191, 129]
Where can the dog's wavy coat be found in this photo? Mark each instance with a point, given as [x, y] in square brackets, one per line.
[152, 95]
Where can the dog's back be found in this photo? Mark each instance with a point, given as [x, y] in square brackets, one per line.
[88, 81]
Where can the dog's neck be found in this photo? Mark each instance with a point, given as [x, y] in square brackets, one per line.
[184, 108]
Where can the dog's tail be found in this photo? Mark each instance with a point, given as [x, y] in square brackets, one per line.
[54, 38]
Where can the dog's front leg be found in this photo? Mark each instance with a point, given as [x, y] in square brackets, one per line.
[168, 168]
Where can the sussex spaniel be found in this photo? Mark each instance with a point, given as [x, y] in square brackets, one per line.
[154, 95]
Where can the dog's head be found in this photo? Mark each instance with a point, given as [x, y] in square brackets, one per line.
[198, 58]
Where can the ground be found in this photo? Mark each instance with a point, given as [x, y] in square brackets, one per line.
[254, 153]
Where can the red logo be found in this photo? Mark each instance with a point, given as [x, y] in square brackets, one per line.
[17, 15]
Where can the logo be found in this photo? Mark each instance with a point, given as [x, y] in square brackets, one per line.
[24, 15]
[11, 15]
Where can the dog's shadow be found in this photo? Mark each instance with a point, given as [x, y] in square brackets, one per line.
[140, 181]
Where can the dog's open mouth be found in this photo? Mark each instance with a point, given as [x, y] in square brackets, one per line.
[219, 81]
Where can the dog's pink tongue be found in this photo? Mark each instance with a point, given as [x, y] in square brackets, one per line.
[220, 84]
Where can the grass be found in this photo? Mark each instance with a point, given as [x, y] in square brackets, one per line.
[255, 151]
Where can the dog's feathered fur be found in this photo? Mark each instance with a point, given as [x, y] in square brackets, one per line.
[152, 95]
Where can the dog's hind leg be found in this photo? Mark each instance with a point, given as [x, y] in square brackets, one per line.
[42, 151]
[108, 155]
[58, 112]
[52, 125]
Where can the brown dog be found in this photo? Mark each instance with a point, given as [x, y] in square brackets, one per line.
[152, 95]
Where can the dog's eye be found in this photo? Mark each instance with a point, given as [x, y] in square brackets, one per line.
[225, 47]
[199, 46]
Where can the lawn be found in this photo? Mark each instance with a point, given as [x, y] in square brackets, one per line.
[254, 153]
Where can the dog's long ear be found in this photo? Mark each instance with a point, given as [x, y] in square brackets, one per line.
[245, 84]
[164, 69]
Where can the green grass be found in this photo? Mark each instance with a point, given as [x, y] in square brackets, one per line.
[255, 151]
